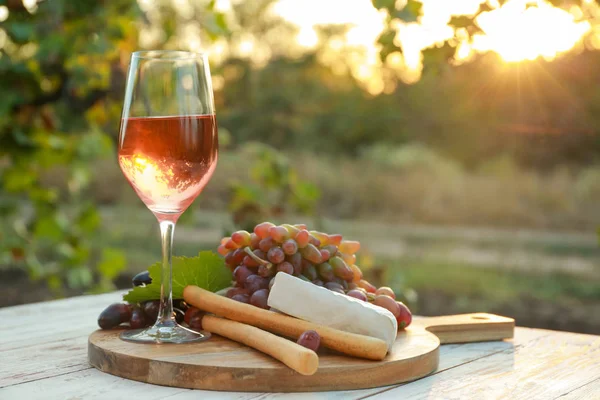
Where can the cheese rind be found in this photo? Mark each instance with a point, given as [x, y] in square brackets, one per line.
[319, 305]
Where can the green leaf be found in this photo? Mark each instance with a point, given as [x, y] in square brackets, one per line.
[207, 270]
[379, 4]
[410, 12]
[461, 22]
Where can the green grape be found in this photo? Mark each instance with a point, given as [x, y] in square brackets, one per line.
[326, 272]
[296, 261]
[292, 230]
[321, 237]
[349, 246]
[349, 259]
[309, 270]
[332, 249]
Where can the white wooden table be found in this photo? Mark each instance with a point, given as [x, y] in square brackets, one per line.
[43, 355]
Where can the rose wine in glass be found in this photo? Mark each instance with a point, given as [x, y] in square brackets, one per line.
[168, 153]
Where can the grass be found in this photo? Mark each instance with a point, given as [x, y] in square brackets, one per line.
[497, 285]
[422, 191]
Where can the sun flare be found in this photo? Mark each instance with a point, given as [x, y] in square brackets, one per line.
[517, 32]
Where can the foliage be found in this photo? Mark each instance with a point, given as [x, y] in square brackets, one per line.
[62, 71]
[59, 67]
[206, 270]
[272, 190]
[409, 11]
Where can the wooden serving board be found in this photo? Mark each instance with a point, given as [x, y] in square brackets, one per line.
[221, 364]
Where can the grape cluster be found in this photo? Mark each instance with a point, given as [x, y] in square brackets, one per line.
[324, 259]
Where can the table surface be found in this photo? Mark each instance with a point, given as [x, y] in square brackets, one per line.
[43, 355]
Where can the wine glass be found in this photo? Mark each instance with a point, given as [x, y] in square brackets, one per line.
[168, 153]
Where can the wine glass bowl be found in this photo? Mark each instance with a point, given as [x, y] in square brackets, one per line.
[167, 150]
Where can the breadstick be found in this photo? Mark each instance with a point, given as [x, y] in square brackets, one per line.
[344, 342]
[298, 358]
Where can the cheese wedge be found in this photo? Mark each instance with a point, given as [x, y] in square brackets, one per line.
[319, 305]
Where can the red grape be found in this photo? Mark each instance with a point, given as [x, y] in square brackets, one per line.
[302, 238]
[289, 247]
[335, 239]
[311, 253]
[318, 282]
[254, 240]
[357, 294]
[333, 285]
[138, 319]
[255, 282]
[366, 285]
[310, 339]
[279, 233]
[237, 290]
[285, 267]
[241, 273]
[151, 309]
[266, 244]
[196, 322]
[341, 269]
[405, 317]
[242, 298]
[190, 313]
[259, 298]
[388, 303]
[231, 245]
[276, 255]
[265, 271]
[222, 250]
[235, 257]
[114, 315]
[325, 255]
[387, 291]
[262, 230]
[300, 226]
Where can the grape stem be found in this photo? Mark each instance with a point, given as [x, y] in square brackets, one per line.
[257, 258]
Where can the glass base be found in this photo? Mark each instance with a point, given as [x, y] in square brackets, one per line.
[164, 334]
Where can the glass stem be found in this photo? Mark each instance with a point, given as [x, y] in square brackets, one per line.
[165, 313]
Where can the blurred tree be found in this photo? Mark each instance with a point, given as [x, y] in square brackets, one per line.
[62, 72]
